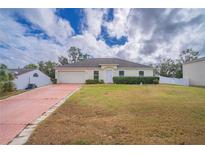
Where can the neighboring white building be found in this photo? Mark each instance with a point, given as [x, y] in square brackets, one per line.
[101, 69]
[23, 77]
[195, 72]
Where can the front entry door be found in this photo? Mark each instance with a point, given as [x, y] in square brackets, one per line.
[109, 76]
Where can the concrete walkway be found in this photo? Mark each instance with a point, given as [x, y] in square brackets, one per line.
[18, 111]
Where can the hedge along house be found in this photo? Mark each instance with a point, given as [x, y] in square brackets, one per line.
[100, 69]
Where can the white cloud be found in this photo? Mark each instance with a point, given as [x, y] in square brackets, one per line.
[24, 49]
[90, 45]
[156, 33]
[94, 20]
[151, 33]
[118, 27]
[47, 20]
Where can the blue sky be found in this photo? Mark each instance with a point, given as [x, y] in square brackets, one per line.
[139, 35]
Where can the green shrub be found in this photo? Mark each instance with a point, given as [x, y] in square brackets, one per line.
[3, 75]
[54, 81]
[1, 87]
[8, 86]
[101, 81]
[155, 81]
[135, 80]
[92, 81]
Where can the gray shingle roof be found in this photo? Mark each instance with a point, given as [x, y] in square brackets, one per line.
[20, 71]
[95, 62]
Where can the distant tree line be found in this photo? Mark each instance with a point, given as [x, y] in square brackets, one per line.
[173, 68]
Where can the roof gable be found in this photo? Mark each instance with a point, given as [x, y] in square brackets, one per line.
[20, 71]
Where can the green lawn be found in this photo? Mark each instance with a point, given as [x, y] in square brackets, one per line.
[127, 114]
[8, 94]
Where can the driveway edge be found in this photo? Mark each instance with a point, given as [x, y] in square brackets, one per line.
[24, 135]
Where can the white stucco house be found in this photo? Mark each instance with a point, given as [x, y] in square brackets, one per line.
[194, 71]
[100, 69]
[23, 77]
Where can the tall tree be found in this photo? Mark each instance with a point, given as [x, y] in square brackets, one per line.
[188, 55]
[3, 66]
[31, 66]
[185, 56]
[48, 68]
[173, 68]
[87, 56]
[167, 68]
[63, 60]
[74, 55]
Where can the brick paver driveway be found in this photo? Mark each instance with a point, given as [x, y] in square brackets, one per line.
[18, 111]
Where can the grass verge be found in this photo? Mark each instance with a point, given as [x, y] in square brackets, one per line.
[8, 94]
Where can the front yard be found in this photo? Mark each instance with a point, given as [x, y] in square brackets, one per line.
[127, 114]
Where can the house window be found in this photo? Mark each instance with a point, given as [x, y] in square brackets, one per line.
[35, 75]
[96, 75]
[141, 73]
[121, 73]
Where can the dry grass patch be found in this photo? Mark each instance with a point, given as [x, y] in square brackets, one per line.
[9, 94]
[127, 114]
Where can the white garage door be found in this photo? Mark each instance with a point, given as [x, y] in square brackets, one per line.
[71, 77]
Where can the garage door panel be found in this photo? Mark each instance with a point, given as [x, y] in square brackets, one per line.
[72, 77]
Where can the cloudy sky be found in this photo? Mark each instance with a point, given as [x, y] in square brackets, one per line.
[139, 35]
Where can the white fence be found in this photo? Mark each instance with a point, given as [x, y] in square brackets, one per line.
[167, 80]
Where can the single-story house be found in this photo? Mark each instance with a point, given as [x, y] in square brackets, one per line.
[23, 77]
[195, 72]
[100, 69]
